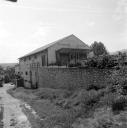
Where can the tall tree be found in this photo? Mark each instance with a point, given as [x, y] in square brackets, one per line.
[98, 48]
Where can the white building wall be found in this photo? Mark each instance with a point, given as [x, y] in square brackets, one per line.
[17, 69]
[70, 42]
[25, 66]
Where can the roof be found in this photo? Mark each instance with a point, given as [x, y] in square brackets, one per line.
[51, 44]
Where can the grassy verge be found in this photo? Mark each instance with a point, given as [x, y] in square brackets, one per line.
[43, 101]
[58, 108]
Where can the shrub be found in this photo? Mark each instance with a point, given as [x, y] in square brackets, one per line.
[105, 123]
[94, 87]
[84, 100]
[92, 62]
[103, 61]
[118, 82]
[6, 79]
[107, 99]
[51, 94]
[64, 120]
[119, 104]
[78, 64]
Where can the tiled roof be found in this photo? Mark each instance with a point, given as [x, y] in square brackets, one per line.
[51, 44]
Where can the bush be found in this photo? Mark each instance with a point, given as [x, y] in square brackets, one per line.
[107, 99]
[119, 104]
[83, 100]
[51, 94]
[6, 79]
[63, 120]
[78, 64]
[92, 62]
[94, 87]
[105, 123]
[118, 82]
[104, 61]
[93, 97]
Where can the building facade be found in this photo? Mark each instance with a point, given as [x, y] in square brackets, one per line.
[59, 53]
[17, 70]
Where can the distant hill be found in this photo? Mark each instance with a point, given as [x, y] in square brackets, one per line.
[5, 65]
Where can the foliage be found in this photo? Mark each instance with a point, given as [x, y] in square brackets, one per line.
[9, 74]
[78, 64]
[6, 79]
[104, 123]
[107, 61]
[104, 61]
[118, 86]
[107, 99]
[93, 87]
[92, 62]
[119, 104]
[61, 120]
[118, 82]
[98, 48]
[51, 94]
[83, 101]
[121, 58]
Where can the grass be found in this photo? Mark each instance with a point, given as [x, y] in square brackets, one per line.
[59, 107]
[43, 102]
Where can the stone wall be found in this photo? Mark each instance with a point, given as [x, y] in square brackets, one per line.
[70, 78]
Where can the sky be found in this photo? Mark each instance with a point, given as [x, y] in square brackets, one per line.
[30, 24]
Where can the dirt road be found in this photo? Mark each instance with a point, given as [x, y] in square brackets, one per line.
[11, 115]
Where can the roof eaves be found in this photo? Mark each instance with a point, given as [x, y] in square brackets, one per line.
[50, 45]
[27, 55]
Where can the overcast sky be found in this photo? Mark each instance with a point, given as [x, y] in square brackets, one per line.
[29, 24]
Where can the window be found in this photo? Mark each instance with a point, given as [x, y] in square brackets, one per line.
[24, 59]
[43, 60]
[35, 56]
[29, 58]
[26, 73]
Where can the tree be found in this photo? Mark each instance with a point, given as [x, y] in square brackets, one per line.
[121, 58]
[9, 74]
[98, 48]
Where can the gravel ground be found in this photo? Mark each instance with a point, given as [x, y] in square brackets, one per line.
[13, 116]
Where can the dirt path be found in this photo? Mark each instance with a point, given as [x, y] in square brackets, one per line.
[13, 117]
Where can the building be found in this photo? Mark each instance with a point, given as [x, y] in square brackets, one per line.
[62, 52]
[17, 70]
